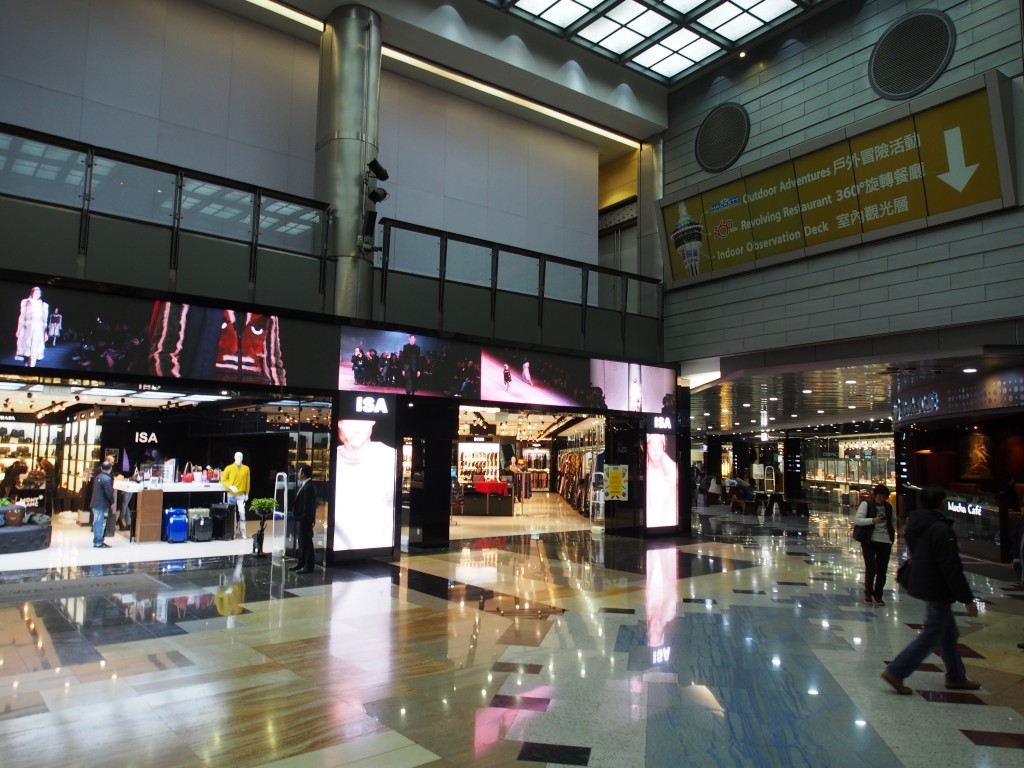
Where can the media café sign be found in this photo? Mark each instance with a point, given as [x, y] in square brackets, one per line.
[895, 174]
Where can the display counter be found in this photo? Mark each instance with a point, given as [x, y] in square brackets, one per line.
[150, 503]
[133, 486]
[486, 504]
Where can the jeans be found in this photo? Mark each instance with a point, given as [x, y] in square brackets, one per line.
[876, 563]
[939, 627]
[99, 525]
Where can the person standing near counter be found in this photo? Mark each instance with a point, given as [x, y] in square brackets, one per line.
[305, 517]
[235, 479]
[102, 501]
[876, 546]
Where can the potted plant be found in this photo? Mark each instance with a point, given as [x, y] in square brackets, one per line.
[264, 508]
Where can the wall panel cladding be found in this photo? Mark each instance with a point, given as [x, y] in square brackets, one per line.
[906, 284]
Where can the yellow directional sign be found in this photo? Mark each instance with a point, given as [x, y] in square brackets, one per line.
[958, 153]
[889, 172]
[938, 160]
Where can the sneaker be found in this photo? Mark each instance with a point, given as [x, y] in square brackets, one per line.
[104, 545]
[879, 601]
[869, 601]
[896, 683]
[963, 685]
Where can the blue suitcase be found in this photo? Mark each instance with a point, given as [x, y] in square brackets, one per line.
[166, 516]
[177, 526]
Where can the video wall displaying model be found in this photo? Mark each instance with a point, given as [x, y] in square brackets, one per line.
[662, 473]
[399, 361]
[365, 473]
[73, 330]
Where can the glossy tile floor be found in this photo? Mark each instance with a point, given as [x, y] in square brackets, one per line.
[532, 641]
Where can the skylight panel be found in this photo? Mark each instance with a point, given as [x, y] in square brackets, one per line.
[621, 41]
[740, 26]
[772, 9]
[683, 6]
[625, 26]
[699, 50]
[648, 23]
[651, 56]
[716, 17]
[564, 12]
[672, 66]
[599, 30]
[536, 7]
[625, 12]
[679, 40]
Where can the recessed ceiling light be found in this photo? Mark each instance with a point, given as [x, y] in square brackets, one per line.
[807, 391]
[794, 416]
[746, 405]
[773, 399]
[707, 414]
[851, 407]
[820, 411]
[970, 370]
[850, 381]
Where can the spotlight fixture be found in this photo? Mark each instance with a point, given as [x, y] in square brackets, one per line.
[377, 195]
[377, 170]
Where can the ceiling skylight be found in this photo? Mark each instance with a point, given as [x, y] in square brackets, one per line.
[663, 39]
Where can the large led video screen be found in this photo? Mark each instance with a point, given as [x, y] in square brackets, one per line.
[83, 332]
[365, 473]
[403, 362]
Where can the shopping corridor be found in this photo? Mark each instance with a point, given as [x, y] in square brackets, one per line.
[532, 641]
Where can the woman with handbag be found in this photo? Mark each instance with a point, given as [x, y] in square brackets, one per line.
[873, 528]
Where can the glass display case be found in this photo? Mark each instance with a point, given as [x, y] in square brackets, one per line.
[82, 450]
[837, 469]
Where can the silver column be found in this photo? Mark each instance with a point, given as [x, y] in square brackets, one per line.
[346, 140]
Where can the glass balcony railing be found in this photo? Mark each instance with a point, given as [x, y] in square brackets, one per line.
[98, 182]
[94, 181]
[450, 258]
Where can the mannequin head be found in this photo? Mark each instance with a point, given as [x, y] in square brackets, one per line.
[238, 459]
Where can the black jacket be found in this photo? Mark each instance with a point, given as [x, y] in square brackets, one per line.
[936, 573]
[102, 491]
[305, 502]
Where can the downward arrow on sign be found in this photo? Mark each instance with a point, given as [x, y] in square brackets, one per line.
[958, 174]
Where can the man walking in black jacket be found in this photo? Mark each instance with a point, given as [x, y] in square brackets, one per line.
[937, 577]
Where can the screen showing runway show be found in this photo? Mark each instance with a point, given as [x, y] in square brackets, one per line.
[405, 362]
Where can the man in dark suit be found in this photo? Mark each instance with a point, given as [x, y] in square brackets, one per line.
[410, 360]
[305, 517]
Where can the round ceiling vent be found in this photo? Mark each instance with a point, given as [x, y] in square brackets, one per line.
[722, 137]
[911, 54]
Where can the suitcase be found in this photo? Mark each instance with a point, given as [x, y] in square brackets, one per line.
[200, 528]
[177, 525]
[222, 520]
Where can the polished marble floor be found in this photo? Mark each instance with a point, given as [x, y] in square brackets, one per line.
[532, 640]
